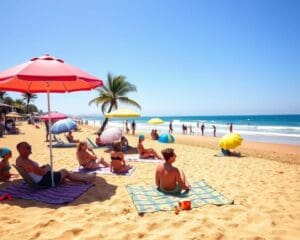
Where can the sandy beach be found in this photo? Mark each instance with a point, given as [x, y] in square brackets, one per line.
[264, 184]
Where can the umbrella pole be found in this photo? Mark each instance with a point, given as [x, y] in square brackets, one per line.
[50, 136]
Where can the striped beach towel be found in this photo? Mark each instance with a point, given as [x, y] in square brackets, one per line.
[148, 199]
[61, 194]
[103, 170]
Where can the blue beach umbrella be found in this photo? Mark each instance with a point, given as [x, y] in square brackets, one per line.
[62, 126]
[166, 138]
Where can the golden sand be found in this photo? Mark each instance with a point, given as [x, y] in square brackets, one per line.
[266, 195]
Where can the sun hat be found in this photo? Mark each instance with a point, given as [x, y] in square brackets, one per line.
[141, 137]
[4, 151]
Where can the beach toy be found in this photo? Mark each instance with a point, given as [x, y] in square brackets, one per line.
[110, 135]
[155, 121]
[230, 141]
[166, 138]
[185, 205]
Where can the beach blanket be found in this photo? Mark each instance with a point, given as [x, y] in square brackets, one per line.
[63, 193]
[103, 170]
[149, 199]
[136, 158]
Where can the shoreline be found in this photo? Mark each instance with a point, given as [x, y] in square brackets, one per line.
[287, 153]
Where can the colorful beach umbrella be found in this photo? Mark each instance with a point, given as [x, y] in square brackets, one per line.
[62, 126]
[230, 141]
[110, 135]
[122, 113]
[155, 121]
[47, 74]
[54, 116]
[166, 138]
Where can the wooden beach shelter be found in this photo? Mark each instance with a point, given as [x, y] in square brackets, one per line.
[122, 113]
[47, 74]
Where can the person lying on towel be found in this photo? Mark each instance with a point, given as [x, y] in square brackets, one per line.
[87, 158]
[42, 175]
[170, 179]
[146, 152]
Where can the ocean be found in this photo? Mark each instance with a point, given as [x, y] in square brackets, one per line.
[261, 128]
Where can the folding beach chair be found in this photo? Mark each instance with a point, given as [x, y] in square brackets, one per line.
[27, 178]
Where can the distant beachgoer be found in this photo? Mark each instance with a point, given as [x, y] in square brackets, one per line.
[191, 130]
[146, 152]
[168, 178]
[118, 164]
[214, 130]
[126, 127]
[124, 144]
[202, 129]
[183, 129]
[47, 131]
[198, 124]
[42, 175]
[230, 128]
[171, 127]
[87, 158]
[5, 154]
[133, 126]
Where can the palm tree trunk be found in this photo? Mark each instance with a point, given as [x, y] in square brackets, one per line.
[105, 120]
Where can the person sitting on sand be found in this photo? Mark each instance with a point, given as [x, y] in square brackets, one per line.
[5, 154]
[227, 152]
[118, 164]
[146, 152]
[168, 178]
[42, 175]
[124, 144]
[98, 141]
[71, 138]
[87, 158]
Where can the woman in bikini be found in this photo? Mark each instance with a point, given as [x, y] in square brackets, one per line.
[87, 158]
[118, 164]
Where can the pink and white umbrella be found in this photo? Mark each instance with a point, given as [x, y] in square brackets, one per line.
[110, 135]
[54, 116]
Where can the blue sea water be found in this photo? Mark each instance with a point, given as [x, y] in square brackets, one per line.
[263, 128]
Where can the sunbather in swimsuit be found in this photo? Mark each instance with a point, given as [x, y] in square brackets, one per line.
[118, 164]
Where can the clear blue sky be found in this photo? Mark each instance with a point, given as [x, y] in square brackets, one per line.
[185, 57]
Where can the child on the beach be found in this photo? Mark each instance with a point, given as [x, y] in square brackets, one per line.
[146, 152]
[5, 154]
[168, 178]
[118, 164]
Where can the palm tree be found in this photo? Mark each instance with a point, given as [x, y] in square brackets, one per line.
[28, 97]
[19, 104]
[113, 93]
